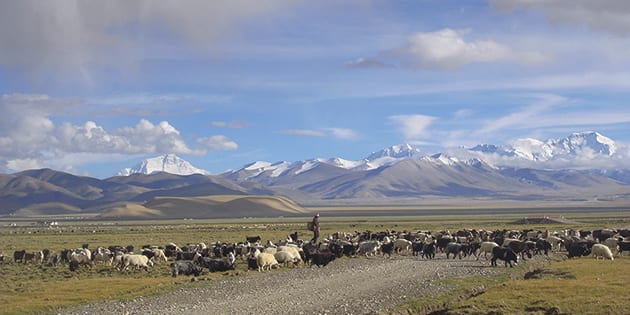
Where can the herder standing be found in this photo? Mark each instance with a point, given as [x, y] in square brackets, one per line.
[315, 228]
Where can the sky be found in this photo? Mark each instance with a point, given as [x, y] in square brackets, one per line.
[91, 87]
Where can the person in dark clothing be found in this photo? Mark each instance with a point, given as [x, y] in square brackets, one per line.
[315, 228]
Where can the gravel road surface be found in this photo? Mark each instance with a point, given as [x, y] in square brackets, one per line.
[346, 286]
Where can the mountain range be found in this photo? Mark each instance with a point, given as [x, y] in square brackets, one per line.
[169, 163]
[396, 175]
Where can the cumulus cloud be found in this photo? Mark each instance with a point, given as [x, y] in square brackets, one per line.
[217, 143]
[612, 16]
[30, 138]
[448, 49]
[412, 127]
[25, 123]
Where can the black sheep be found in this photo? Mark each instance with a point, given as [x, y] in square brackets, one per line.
[505, 254]
[186, 268]
[322, 258]
[428, 251]
[387, 248]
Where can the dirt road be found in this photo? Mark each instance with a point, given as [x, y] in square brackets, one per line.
[346, 286]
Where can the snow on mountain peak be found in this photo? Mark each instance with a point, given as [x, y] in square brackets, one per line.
[579, 144]
[579, 147]
[591, 140]
[343, 163]
[168, 163]
[396, 151]
[442, 158]
[258, 165]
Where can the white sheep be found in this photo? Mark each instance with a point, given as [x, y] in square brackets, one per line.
[554, 241]
[135, 260]
[159, 255]
[80, 258]
[77, 259]
[270, 250]
[601, 250]
[104, 256]
[369, 248]
[286, 258]
[612, 243]
[485, 248]
[402, 245]
[294, 250]
[266, 260]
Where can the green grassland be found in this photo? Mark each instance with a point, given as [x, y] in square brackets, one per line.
[29, 288]
[556, 286]
[575, 286]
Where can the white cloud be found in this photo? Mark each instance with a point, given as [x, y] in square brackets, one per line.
[30, 138]
[550, 111]
[343, 133]
[22, 164]
[463, 113]
[524, 117]
[412, 127]
[362, 63]
[25, 124]
[612, 16]
[144, 137]
[217, 143]
[447, 49]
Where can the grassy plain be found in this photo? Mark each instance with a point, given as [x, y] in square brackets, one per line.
[29, 288]
[576, 286]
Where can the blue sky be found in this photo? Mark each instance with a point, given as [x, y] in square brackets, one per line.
[91, 87]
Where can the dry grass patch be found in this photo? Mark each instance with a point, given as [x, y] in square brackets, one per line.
[36, 296]
[577, 286]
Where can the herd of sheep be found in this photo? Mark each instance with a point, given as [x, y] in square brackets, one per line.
[192, 259]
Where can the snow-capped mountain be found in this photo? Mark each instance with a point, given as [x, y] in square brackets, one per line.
[577, 148]
[264, 169]
[577, 145]
[169, 163]
[401, 171]
[395, 175]
[396, 151]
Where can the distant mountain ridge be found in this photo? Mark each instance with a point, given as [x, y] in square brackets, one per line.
[169, 163]
[401, 171]
[576, 145]
[396, 175]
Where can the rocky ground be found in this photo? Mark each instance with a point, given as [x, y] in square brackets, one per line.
[346, 286]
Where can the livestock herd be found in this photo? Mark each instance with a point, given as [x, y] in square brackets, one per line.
[194, 258]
